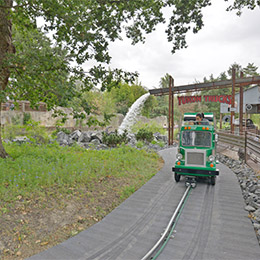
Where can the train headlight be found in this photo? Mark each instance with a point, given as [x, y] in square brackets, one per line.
[211, 158]
[179, 156]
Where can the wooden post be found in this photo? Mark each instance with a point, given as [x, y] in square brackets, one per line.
[245, 146]
[220, 121]
[169, 113]
[172, 116]
[233, 101]
[241, 105]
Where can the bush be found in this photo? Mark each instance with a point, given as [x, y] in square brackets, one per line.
[151, 126]
[32, 130]
[26, 118]
[114, 139]
[144, 135]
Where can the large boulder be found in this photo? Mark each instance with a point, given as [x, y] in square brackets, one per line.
[96, 136]
[75, 135]
[63, 138]
[85, 137]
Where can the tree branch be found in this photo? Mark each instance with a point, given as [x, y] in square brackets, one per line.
[112, 1]
[9, 7]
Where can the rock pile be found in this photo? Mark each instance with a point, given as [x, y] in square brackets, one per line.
[94, 140]
[250, 184]
[83, 139]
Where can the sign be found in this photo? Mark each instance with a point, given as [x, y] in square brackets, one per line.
[207, 98]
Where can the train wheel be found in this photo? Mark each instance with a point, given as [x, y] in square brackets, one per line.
[212, 180]
[177, 177]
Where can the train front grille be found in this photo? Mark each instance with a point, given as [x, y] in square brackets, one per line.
[195, 158]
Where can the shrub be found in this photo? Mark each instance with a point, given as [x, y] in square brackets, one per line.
[114, 139]
[151, 126]
[32, 130]
[139, 144]
[26, 118]
[144, 135]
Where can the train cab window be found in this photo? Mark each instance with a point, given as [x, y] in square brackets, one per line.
[196, 138]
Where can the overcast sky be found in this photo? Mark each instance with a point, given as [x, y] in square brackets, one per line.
[224, 39]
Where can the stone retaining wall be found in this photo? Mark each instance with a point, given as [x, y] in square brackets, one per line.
[46, 119]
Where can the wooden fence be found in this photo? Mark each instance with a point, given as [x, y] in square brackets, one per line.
[23, 106]
[249, 142]
[252, 146]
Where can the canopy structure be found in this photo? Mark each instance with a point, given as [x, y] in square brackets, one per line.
[234, 83]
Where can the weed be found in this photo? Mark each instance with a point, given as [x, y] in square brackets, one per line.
[114, 139]
[144, 135]
[34, 171]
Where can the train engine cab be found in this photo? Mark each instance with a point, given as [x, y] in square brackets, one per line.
[196, 156]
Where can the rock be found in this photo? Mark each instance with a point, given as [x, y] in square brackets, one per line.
[85, 137]
[96, 136]
[85, 145]
[21, 139]
[62, 138]
[237, 171]
[70, 142]
[257, 213]
[75, 135]
[7, 141]
[250, 208]
[256, 226]
[95, 141]
[243, 185]
[102, 147]
[252, 188]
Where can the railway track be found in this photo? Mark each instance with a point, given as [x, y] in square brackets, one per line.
[155, 251]
[213, 224]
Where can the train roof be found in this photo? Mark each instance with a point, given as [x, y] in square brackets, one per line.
[192, 116]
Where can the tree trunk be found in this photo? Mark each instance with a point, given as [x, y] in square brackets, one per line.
[6, 47]
[3, 153]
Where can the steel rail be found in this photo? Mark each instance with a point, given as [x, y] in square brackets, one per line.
[168, 228]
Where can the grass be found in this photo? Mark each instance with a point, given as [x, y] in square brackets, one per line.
[49, 193]
[32, 171]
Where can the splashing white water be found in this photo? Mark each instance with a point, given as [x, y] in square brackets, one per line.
[133, 111]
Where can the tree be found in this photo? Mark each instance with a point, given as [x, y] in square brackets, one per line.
[41, 70]
[85, 28]
[250, 70]
[164, 82]
[125, 95]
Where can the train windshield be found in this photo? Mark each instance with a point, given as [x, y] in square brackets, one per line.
[196, 138]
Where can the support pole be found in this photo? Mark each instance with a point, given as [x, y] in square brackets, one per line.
[233, 101]
[169, 115]
[220, 121]
[172, 116]
[241, 105]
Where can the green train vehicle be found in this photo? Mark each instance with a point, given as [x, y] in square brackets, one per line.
[196, 157]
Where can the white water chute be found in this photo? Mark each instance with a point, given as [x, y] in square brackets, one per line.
[133, 111]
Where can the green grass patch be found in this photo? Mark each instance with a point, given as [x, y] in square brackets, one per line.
[36, 170]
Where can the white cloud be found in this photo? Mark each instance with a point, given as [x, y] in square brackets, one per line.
[225, 39]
